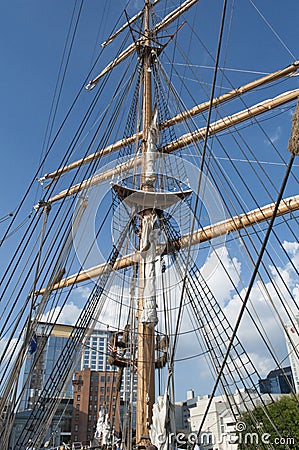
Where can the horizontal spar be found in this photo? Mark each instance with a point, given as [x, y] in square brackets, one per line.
[187, 139]
[229, 121]
[126, 25]
[207, 233]
[132, 48]
[198, 109]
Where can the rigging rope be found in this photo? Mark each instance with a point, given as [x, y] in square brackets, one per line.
[211, 317]
[248, 292]
[234, 190]
[272, 29]
[65, 364]
[54, 107]
[201, 167]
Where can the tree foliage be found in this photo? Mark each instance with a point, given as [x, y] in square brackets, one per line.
[276, 426]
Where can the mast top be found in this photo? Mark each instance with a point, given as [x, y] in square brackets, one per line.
[171, 17]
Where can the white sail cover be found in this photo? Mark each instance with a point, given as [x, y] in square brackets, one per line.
[163, 423]
[106, 436]
[151, 153]
[148, 252]
[100, 425]
[103, 430]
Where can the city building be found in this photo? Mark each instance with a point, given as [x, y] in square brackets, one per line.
[278, 381]
[94, 355]
[42, 356]
[58, 432]
[292, 342]
[182, 415]
[219, 428]
[94, 391]
[49, 342]
[182, 412]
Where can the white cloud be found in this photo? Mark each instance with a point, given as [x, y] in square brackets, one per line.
[266, 307]
[67, 315]
[221, 273]
[265, 318]
[274, 137]
[83, 291]
[292, 248]
[9, 350]
[262, 363]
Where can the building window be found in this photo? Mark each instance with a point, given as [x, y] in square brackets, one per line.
[95, 418]
[79, 388]
[78, 398]
[95, 407]
[102, 379]
[76, 427]
[77, 417]
[89, 417]
[80, 377]
[102, 398]
[90, 398]
[77, 407]
[97, 378]
[102, 389]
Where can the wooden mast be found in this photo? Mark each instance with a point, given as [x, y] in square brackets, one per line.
[146, 347]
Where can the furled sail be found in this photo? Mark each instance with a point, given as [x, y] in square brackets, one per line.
[163, 426]
[148, 252]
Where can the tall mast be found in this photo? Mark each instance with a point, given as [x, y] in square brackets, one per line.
[146, 331]
[147, 84]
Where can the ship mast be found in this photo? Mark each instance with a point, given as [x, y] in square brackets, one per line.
[146, 347]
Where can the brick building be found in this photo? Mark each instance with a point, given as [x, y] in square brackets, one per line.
[93, 390]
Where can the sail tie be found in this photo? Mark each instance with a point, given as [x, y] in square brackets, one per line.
[293, 145]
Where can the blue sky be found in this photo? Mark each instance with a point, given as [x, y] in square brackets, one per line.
[32, 38]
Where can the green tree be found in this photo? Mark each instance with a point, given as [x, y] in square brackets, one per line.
[277, 427]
